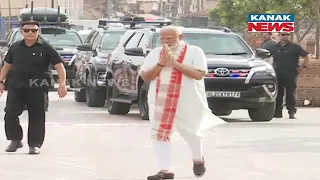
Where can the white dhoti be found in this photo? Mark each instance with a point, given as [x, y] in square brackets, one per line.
[163, 148]
[179, 108]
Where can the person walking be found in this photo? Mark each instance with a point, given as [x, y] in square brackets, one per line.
[30, 78]
[286, 63]
[177, 99]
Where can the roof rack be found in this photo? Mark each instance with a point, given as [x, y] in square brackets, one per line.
[133, 23]
[62, 23]
[224, 29]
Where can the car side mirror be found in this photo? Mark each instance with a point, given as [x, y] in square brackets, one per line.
[4, 43]
[138, 51]
[263, 53]
[85, 47]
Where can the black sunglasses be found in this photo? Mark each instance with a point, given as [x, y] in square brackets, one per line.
[28, 30]
[285, 34]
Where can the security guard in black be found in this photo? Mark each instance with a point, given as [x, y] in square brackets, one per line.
[31, 64]
[28, 84]
[286, 56]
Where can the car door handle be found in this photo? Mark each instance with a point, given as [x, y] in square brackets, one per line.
[129, 61]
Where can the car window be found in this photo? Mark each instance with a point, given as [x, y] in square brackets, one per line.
[84, 36]
[110, 40]
[213, 44]
[90, 37]
[133, 42]
[144, 42]
[69, 38]
[8, 35]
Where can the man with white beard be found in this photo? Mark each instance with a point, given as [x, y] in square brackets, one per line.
[177, 99]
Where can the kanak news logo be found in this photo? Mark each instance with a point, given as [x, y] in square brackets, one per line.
[270, 23]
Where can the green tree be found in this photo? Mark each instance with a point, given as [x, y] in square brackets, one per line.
[234, 13]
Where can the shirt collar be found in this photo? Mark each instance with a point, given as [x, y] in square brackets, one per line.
[288, 43]
[39, 41]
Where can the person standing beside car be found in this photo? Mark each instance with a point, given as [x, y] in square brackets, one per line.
[268, 40]
[286, 56]
[30, 78]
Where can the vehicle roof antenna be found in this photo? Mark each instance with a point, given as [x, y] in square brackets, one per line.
[45, 13]
[31, 17]
[59, 20]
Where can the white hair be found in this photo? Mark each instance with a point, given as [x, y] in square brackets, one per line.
[172, 28]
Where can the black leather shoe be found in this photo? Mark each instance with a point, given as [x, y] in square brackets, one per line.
[161, 175]
[14, 146]
[278, 115]
[199, 168]
[34, 150]
[292, 115]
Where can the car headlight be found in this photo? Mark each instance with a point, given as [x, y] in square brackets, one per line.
[263, 70]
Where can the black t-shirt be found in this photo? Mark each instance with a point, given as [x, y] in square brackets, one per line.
[30, 65]
[286, 58]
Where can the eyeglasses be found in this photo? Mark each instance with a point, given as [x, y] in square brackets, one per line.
[285, 34]
[28, 30]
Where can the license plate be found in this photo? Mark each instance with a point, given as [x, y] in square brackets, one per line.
[223, 94]
[54, 72]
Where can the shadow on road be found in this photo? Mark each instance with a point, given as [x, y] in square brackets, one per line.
[235, 120]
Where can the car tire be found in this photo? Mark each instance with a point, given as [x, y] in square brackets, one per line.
[80, 96]
[95, 97]
[219, 112]
[143, 102]
[116, 108]
[263, 113]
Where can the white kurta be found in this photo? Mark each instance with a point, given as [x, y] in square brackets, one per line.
[193, 113]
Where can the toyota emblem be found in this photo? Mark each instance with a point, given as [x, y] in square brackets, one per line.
[222, 71]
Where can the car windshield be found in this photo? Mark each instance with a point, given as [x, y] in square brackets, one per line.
[69, 38]
[214, 44]
[110, 40]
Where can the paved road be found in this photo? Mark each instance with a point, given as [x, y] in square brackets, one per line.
[85, 143]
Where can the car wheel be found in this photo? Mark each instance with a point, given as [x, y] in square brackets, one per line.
[80, 96]
[143, 102]
[221, 112]
[95, 97]
[218, 111]
[263, 113]
[117, 108]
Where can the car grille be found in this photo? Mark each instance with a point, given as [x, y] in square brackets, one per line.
[226, 86]
[236, 73]
[66, 57]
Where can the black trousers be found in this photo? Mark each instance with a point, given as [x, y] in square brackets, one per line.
[35, 99]
[288, 85]
[47, 103]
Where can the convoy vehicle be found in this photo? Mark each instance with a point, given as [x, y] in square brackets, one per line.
[91, 59]
[238, 77]
[58, 34]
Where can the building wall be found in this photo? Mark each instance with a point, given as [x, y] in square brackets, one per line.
[74, 8]
[210, 4]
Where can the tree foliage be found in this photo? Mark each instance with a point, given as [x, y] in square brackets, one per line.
[234, 13]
